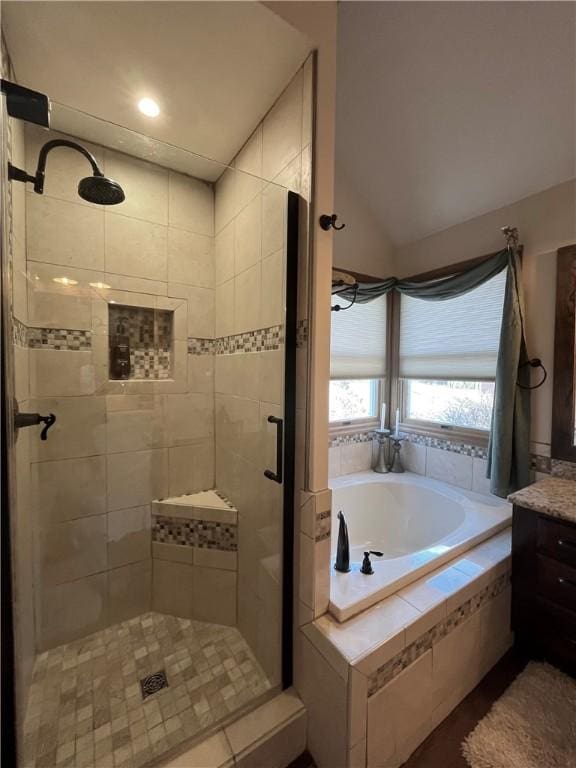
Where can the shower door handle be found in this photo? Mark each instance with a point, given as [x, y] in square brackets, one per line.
[277, 476]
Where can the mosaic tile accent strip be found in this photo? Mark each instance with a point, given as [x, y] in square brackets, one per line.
[563, 469]
[198, 346]
[149, 333]
[85, 706]
[388, 671]
[205, 534]
[541, 464]
[59, 338]
[447, 445]
[352, 437]
[323, 526]
[261, 340]
[19, 333]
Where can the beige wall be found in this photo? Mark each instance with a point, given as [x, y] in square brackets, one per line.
[362, 245]
[546, 222]
[116, 445]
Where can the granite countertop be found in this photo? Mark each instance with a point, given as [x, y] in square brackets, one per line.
[553, 496]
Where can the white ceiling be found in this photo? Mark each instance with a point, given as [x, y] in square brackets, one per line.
[215, 68]
[448, 110]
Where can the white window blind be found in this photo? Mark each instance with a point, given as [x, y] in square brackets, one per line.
[358, 341]
[456, 339]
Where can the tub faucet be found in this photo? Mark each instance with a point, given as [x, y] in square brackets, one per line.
[343, 548]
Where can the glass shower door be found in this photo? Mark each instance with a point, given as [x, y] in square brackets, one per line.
[152, 529]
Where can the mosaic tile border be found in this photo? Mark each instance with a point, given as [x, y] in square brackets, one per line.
[350, 438]
[204, 534]
[563, 469]
[19, 333]
[301, 333]
[452, 446]
[261, 340]
[59, 338]
[388, 671]
[323, 527]
[540, 463]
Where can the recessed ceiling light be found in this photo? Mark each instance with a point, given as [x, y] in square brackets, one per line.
[149, 107]
[65, 281]
[99, 285]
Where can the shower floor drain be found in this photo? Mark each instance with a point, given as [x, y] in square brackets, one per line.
[153, 683]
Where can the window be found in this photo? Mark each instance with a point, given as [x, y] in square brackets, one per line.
[357, 361]
[448, 353]
[354, 399]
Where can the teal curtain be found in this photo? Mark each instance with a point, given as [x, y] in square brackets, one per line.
[508, 447]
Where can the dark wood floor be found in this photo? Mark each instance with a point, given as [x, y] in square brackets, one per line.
[442, 749]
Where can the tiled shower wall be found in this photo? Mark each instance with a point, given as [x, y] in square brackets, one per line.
[113, 448]
[250, 229]
[14, 240]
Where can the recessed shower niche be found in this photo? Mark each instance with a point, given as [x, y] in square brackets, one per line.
[140, 342]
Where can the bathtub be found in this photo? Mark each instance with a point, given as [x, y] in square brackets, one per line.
[416, 522]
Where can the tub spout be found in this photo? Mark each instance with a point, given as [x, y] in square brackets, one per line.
[343, 549]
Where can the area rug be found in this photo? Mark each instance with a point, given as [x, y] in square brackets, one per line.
[532, 725]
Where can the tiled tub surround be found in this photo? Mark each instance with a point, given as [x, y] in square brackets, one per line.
[195, 545]
[87, 706]
[417, 523]
[437, 637]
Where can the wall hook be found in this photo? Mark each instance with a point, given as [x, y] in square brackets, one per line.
[328, 222]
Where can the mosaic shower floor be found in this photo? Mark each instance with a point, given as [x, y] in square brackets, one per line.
[91, 702]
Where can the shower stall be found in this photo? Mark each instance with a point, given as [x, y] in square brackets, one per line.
[157, 310]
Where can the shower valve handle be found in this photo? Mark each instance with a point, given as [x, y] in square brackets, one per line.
[32, 419]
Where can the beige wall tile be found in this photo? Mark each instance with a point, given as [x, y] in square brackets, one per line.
[291, 176]
[136, 478]
[135, 248]
[191, 468]
[134, 423]
[453, 468]
[215, 558]
[167, 599]
[273, 299]
[68, 489]
[214, 595]
[238, 426]
[145, 185]
[201, 373]
[73, 610]
[456, 659]
[61, 373]
[413, 457]
[133, 284]
[248, 164]
[247, 300]
[213, 751]
[191, 204]
[130, 590]
[307, 100]
[248, 236]
[225, 207]
[21, 373]
[189, 418]
[80, 428]
[172, 552]
[274, 207]
[272, 376]
[64, 233]
[282, 137]
[355, 457]
[53, 305]
[224, 255]
[129, 536]
[190, 258]
[238, 374]
[201, 314]
[225, 308]
[334, 467]
[480, 483]
[74, 549]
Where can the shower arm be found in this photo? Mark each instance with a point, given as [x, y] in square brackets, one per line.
[17, 174]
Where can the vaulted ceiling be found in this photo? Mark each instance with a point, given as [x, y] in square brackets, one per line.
[214, 68]
[448, 110]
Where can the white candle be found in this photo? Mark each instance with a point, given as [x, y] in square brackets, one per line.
[397, 421]
[383, 417]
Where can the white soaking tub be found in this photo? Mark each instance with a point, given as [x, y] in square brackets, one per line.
[416, 522]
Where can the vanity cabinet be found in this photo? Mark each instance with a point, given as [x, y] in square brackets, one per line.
[544, 586]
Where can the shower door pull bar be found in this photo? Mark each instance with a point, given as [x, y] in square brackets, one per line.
[277, 476]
